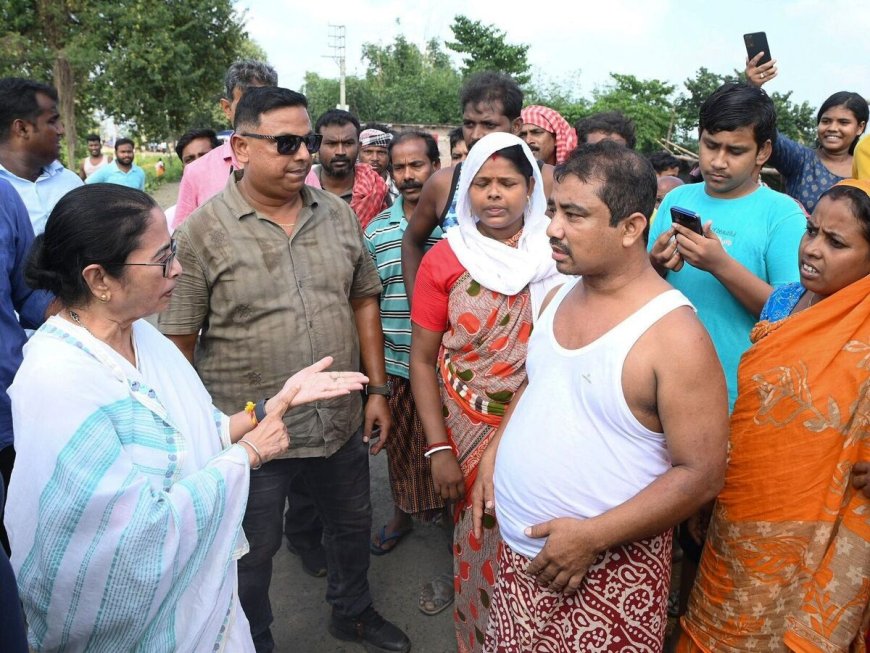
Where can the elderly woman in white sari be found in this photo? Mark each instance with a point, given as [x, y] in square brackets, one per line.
[126, 500]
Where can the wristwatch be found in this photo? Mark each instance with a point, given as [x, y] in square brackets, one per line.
[260, 409]
[386, 390]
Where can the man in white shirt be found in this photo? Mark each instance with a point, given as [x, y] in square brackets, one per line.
[30, 133]
[619, 434]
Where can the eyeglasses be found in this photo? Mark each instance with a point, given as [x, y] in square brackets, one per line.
[289, 143]
[166, 263]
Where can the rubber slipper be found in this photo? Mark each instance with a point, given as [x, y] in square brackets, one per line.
[437, 595]
[377, 548]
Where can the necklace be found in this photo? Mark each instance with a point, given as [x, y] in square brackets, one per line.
[510, 242]
[75, 318]
[513, 240]
[813, 300]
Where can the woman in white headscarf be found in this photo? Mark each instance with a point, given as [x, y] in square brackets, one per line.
[476, 296]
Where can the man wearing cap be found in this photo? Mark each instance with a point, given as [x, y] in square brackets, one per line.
[374, 143]
[548, 134]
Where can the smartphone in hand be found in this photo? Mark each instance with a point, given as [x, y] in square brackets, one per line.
[688, 219]
[757, 42]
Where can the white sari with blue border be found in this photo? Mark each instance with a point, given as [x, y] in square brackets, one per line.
[126, 501]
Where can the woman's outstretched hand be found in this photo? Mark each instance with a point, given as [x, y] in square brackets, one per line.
[313, 383]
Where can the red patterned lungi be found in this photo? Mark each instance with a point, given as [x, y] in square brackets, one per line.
[620, 606]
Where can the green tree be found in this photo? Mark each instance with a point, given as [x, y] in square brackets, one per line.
[45, 40]
[646, 102]
[155, 65]
[698, 89]
[484, 48]
[322, 94]
[560, 95]
[402, 83]
[411, 85]
[797, 121]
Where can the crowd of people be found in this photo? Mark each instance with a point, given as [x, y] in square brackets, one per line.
[589, 365]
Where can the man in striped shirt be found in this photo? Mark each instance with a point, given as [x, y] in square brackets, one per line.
[414, 158]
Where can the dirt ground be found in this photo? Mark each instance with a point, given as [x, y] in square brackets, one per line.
[166, 194]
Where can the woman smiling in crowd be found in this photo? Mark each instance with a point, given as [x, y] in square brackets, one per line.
[809, 172]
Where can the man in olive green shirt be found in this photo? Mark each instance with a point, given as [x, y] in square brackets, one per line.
[276, 276]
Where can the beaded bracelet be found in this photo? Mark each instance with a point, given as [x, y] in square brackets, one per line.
[256, 451]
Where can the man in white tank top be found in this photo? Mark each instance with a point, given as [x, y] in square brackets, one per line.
[95, 159]
[619, 434]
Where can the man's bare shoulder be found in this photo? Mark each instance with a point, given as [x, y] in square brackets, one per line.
[673, 368]
[547, 176]
[680, 353]
[680, 333]
[441, 180]
[433, 198]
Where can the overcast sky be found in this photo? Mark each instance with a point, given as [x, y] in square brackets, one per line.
[822, 46]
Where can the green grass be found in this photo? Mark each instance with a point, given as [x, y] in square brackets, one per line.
[147, 160]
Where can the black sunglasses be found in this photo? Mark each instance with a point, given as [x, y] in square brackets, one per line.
[289, 143]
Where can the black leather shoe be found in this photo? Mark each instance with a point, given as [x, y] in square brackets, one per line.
[313, 560]
[370, 629]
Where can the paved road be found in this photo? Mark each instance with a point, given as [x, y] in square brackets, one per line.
[301, 613]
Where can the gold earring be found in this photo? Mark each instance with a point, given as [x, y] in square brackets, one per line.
[104, 297]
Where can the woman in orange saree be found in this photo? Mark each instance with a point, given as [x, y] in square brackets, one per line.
[786, 565]
[474, 301]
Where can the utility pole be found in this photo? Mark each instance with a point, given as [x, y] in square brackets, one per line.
[336, 43]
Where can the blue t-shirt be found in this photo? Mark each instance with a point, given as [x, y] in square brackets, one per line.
[804, 174]
[762, 232]
[112, 174]
[782, 301]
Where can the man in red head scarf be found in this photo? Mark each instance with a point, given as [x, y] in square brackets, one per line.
[548, 134]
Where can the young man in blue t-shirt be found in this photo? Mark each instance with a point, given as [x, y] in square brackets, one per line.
[751, 233]
[750, 240]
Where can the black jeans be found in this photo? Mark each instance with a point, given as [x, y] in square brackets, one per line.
[339, 487]
[302, 525]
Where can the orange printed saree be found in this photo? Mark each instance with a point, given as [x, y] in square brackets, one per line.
[482, 363]
[786, 564]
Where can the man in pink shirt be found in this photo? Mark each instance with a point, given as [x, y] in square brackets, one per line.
[207, 176]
